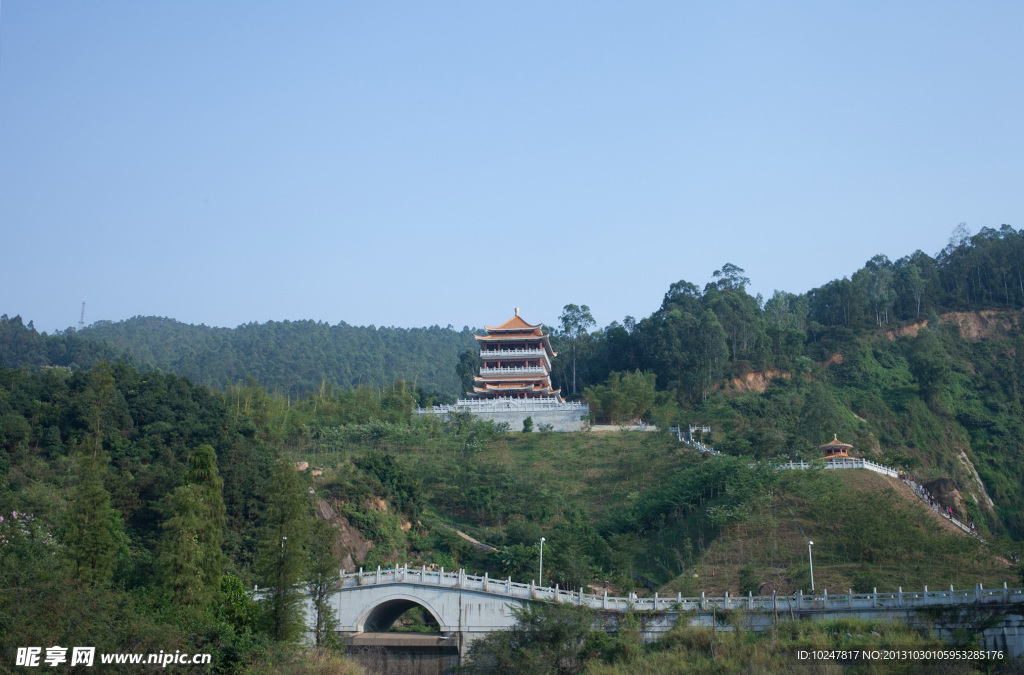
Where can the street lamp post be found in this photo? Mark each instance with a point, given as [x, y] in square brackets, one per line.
[810, 559]
[541, 575]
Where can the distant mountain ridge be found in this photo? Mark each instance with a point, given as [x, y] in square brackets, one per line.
[291, 356]
[287, 356]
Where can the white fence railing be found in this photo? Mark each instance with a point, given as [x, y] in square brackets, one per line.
[686, 436]
[843, 463]
[935, 506]
[493, 405]
[825, 601]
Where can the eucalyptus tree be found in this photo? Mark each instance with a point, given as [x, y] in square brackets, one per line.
[575, 321]
[875, 281]
[910, 279]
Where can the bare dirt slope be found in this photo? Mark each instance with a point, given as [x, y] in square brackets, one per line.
[983, 325]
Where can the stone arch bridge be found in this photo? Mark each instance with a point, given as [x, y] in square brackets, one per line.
[468, 607]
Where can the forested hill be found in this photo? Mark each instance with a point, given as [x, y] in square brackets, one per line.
[918, 361]
[702, 335]
[291, 357]
[21, 346]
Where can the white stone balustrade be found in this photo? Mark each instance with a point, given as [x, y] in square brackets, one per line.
[505, 404]
[843, 463]
[778, 603]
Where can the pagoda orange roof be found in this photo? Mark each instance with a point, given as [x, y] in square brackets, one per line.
[528, 336]
[515, 323]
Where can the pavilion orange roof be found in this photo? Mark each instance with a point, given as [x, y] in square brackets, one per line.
[835, 443]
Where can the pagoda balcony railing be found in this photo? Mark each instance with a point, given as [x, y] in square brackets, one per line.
[515, 370]
[510, 353]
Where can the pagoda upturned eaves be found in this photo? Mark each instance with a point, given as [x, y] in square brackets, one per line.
[516, 362]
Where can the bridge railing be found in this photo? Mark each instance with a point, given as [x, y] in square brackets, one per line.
[798, 602]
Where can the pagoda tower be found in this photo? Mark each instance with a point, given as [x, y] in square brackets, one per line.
[516, 363]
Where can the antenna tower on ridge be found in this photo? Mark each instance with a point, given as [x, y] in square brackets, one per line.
[81, 321]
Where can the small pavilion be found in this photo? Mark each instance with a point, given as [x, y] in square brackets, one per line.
[835, 448]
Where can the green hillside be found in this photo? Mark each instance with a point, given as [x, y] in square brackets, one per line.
[116, 450]
[133, 454]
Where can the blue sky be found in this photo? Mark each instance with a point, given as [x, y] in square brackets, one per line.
[413, 164]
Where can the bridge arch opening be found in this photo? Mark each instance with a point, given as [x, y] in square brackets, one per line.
[386, 617]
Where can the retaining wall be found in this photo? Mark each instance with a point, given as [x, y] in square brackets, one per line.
[560, 420]
[560, 415]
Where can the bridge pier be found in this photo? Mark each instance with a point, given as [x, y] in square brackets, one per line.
[422, 653]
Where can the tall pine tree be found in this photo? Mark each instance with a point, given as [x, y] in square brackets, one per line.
[190, 559]
[180, 556]
[322, 579]
[281, 561]
[90, 524]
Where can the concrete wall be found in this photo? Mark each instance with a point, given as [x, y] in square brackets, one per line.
[560, 420]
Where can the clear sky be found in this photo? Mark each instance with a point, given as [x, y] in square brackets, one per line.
[420, 163]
